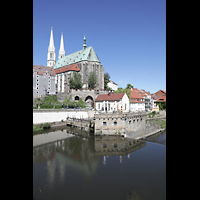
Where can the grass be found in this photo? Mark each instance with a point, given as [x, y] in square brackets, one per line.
[36, 128]
[161, 123]
[41, 127]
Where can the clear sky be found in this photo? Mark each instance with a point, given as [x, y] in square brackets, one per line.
[129, 36]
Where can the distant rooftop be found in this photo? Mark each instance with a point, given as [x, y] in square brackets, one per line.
[40, 70]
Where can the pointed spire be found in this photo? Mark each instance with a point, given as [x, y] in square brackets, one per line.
[51, 55]
[62, 50]
[84, 44]
[51, 42]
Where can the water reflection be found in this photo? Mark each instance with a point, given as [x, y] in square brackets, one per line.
[116, 146]
[79, 168]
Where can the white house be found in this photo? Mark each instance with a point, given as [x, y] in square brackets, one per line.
[112, 85]
[112, 102]
[137, 101]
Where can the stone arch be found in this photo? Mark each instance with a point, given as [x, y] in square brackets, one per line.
[76, 98]
[89, 101]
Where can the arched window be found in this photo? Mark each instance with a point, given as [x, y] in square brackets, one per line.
[76, 98]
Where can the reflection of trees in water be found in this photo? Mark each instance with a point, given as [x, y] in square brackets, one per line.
[133, 195]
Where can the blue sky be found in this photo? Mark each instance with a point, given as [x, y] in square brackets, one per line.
[129, 36]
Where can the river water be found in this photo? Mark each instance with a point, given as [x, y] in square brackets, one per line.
[77, 168]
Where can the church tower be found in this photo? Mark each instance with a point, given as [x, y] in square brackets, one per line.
[51, 55]
[62, 50]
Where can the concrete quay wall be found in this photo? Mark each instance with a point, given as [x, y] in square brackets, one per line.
[43, 116]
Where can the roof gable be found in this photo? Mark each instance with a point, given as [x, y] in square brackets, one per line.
[110, 97]
[135, 95]
[87, 54]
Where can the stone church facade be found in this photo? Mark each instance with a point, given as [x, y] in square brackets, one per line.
[83, 62]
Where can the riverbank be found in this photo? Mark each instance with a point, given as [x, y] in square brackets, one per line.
[59, 115]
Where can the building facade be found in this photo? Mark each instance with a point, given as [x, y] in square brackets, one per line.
[112, 85]
[137, 101]
[112, 102]
[83, 62]
[43, 81]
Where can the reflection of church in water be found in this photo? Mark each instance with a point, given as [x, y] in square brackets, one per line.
[83, 155]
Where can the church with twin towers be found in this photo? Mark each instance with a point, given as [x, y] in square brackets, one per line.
[83, 61]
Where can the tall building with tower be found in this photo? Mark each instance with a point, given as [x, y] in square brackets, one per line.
[83, 61]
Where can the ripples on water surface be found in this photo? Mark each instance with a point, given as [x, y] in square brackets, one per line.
[76, 168]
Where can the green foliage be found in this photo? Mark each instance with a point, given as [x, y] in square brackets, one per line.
[162, 105]
[106, 80]
[152, 114]
[75, 81]
[46, 125]
[129, 86]
[73, 104]
[161, 123]
[50, 99]
[92, 80]
[46, 105]
[36, 128]
[126, 90]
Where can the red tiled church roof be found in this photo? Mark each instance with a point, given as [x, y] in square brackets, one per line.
[73, 67]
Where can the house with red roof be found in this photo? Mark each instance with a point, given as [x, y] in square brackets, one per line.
[112, 102]
[160, 93]
[161, 99]
[137, 101]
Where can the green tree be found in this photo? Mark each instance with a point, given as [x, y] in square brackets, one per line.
[129, 86]
[75, 81]
[92, 79]
[125, 90]
[106, 80]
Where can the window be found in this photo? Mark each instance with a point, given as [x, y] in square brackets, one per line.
[99, 106]
[104, 123]
[50, 57]
[125, 107]
[115, 123]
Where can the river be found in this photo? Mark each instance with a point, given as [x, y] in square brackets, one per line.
[77, 168]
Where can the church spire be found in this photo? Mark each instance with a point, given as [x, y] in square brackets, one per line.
[62, 50]
[84, 44]
[51, 55]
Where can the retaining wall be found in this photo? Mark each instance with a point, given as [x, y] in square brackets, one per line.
[43, 116]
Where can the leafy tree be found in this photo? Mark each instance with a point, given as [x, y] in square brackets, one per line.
[129, 86]
[106, 80]
[75, 81]
[92, 79]
[125, 90]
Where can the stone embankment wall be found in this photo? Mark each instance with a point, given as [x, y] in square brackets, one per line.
[43, 116]
[131, 124]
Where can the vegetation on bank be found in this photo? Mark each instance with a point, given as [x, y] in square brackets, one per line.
[51, 102]
[161, 123]
[40, 127]
[162, 105]
[151, 114]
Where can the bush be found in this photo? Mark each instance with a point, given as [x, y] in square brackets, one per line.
[46, 125]
[36, 128]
